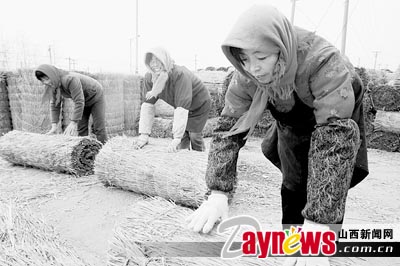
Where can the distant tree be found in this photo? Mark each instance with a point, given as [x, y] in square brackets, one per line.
[222, 69]
[210, 68]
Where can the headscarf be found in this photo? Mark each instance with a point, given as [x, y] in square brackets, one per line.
[264, 27]
[159, 79]
[54, 74]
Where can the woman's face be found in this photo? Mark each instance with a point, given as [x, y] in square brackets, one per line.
[156, 64]
[259, 64]
[46, 81]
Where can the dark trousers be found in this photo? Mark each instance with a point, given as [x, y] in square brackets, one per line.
[97, 110]
[192, 141]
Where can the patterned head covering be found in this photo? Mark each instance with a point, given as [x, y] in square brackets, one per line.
[264, 27]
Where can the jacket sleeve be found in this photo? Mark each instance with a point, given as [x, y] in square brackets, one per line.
[221, 171]
[331, 87]
[74, 85]
[148, 84]
[334, 142]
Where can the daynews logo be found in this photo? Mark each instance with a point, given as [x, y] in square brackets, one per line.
[295, 241]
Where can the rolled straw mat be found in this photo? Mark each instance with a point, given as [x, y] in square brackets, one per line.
[74, 155]
[155, 233]
[152, 170]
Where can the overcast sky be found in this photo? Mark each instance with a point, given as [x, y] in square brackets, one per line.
[97, 35]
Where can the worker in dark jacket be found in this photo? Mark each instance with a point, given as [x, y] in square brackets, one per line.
[318, 140]
[86, 93]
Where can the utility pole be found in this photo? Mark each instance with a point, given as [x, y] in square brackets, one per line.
[293, 10]
[344, 30]
[130, 56]
[137, 37]
[195, 62]
[376, 57]
[69, 62]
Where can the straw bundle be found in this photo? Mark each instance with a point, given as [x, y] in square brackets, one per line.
[387, 121]
[217, 83]
[369, 113]
[5, 115]
[26, 240]
[155, 233]
[377, 100]
[114, 96]
[163, 109]
[74, 155]
[152, 171]
[209, 127]
[67, 109]
[132, 102]
[387, 141]
[386, 98]
[27, 111]
[162, 128]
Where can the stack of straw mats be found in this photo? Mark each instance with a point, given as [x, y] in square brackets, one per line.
[25, 240]
[132, 102]
[155, 233]
[27, 110]
[5, 114]
[153, 171]
[74, 155]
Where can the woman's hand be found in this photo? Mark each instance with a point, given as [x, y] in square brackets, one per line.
[72, 129]
[151, 94]
[209, 213]
[174, 145]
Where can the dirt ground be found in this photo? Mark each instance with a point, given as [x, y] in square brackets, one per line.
[84, 212]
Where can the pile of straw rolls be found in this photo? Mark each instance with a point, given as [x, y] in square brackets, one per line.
[381, 103]
[162, 128]
[28, 113]
[5, 114]
[132, 101]
[153, 171]
[163, 109]
[65, 154]
[217, 83]
[26, 240]
[386, 98]
[67, 109]
[114, 97]
[155, 233]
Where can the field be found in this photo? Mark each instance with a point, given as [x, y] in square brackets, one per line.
[83, 211]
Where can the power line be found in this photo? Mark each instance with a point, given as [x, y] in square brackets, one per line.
[324, 15]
